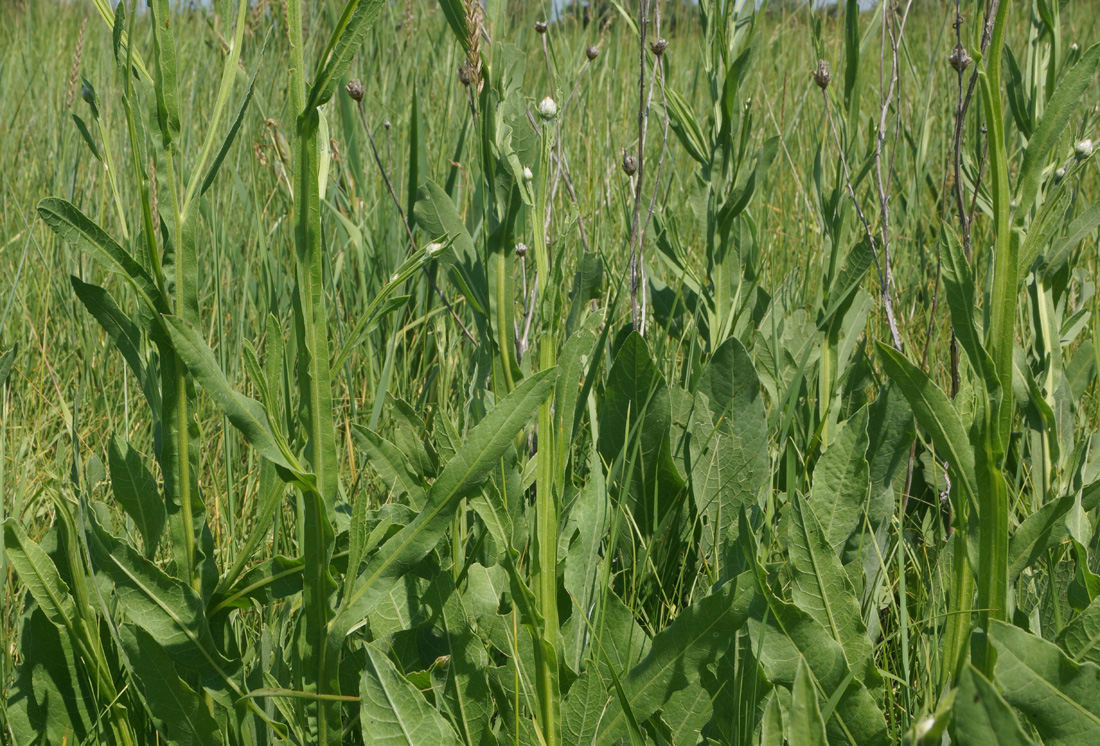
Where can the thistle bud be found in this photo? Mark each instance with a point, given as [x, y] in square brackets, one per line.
[527, 175]
[821, 75]
[592, 52]
[1059, 175]
[1073, 47]
[355, 90]
[540, 26]
[433, 249]
[1083, 149]
[386, 124]
[521, 250]
[630, 163]
[658, 47]
[959, 59]
[548, 109]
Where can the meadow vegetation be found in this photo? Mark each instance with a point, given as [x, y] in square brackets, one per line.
[449, 373]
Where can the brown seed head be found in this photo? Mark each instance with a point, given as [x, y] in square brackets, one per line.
[959, 59]
[355, 90]
[521, 250]
[630, 163]
[659, 46]
[540, 26]
[592, 52]
[464, 75]
[821, 75]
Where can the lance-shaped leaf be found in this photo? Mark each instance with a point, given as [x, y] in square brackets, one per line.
[6, 361]
[246, 414]
[982, 715]
[393, 711]
[82, 232]
[347, 37]
[806, 724]
[1057, 695]
[39, 575]
[136, 491]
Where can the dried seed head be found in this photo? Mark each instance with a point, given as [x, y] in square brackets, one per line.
[464, 75]
[658, 47]
[821, 75]
[355, 90]
[630, 163]
[959, 59]
[548, 109]
[386, 123]
[592, 51]
[521, 250]
[540, 26]
[1083, 149]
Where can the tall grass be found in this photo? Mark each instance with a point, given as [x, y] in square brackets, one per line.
[417, 373]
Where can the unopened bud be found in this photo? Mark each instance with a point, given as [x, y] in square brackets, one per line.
[592, 51]
[540, 26]
[521, 250]
[630, 164]
[821, 75]
[1083, 149]
[355, 90]
[527, 175]
[548, 109]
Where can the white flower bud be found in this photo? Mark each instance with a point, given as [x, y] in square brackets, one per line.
[547, 108]
[1083, 149]
[527, 175]
[433, 249]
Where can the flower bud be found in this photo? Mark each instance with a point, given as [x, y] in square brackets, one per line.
[1083, 149]
[592, 52]
[1059, 175]
[959, 59]
[659, 46]
[540, 27]
[821, 75]
[548, 109]
[630, 163]
[527, 175]
[355, 90]
[521, 250]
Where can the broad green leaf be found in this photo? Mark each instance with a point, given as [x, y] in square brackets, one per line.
[1040, 531]
[1056, 695]
[136, 491]
[247, 415]
[806, 725]
[1081, 637]
[936, 414]
[393, 711]
[842, 482]
[164, 57]
[820, 584]
[75, 227]
[1067, 97]
[39, 575]
[1081, 227]
[982, 715]
[437, 216]
[679, 655]
[728, 446]
[471, 465]
[184, 718]
[167, 608]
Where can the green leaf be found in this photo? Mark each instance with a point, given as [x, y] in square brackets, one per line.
[820, 584]
[679, 655]
[471, 465]
[357, 18]
[959, 286]
[84, 133]
[1056, 695]
[393, 467]
[247, 415]
[1082, 226]
[136, 491]
[1081, 637]
[842, 481]
[728, 445]
[934, 413]
[686, 126]
[167, 608]
[806, 725]
[1040, 531]
[393, 711]
[75, 227]
[39, 575]
[1068, 95]
[437, 216]
[184, 718]
[164, 57]
[982, 715]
